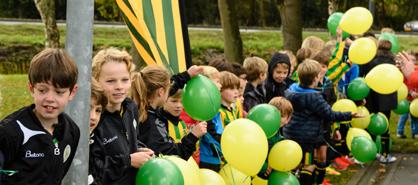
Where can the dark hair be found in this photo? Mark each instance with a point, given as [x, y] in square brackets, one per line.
[238, 69]
[383, 48]
[323, 56]
[55, 66]
[369, 34]
[220, 64]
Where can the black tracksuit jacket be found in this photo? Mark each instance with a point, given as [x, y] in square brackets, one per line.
[114, 139]
[38, 156]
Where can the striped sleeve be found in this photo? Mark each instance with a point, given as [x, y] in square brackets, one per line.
[337, 67]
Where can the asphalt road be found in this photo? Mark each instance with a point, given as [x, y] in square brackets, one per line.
[207, 28]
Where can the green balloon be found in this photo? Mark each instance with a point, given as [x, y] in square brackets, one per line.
[267, 117]
[378, 124]
[333, 22]
[392, 39]
[201, 98]
[282, 178]
[363, 149]
[402, 108]
[159, 171]
[358, 89]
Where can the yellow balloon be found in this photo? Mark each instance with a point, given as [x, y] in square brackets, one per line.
[209, 177]
[356, 20]
[413, 108]
[189, 174]
[244, 146]
[285, 155]
[259, 181]
[362, 50]
[363, 122]
[193, 164]
[233, 176]
[402, 92]
[384, 78]
[344, 105]
[355, 132]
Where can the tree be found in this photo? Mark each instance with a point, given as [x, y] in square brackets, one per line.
[291, 17]
[332, 6]
[46, 9]
[232, 38]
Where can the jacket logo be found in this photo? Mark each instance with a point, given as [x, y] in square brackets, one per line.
[107, 141]
[29, 154]
[28, 133]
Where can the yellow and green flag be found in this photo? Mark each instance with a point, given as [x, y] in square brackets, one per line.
[158, 32]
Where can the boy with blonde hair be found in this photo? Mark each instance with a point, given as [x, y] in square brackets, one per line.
[254, 92]
[310, 111]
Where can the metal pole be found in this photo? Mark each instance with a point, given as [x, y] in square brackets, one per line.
[79, 45]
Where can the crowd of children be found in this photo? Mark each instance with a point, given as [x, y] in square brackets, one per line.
[138, 114]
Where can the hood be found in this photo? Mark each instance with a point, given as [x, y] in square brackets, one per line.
[277, 58]
[295, 88]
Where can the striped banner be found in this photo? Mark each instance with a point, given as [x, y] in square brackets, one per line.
[159, 31]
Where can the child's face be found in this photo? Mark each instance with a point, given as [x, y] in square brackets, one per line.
[95, 112]
[280, 73]
[115, 80]
[50, 101]
[230, 95]
[284, 120]
[324, 69]
[174, 106]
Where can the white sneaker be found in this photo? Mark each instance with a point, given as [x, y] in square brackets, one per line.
[387, 159]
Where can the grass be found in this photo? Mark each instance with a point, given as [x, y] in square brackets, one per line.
[258, 43]
[14, 93]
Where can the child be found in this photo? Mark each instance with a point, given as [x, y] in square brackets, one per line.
[154, 128]
[116, 154]
[310, 111]
[412, 94]
[254, 92]
[278, 71]
[326, 87]
[210, 150]
[171, 110]
[39, 141]
[286, 110]
[384, 103]
[97, 103]
[240, 72]
[313, 42]
[229, 95]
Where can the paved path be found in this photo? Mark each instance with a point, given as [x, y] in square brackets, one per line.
[402, 172]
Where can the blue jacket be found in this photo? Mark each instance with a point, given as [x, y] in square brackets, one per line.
[210, 147]
[351, 74]
[310, 110]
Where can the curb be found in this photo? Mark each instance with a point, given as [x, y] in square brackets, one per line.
[371, 175]
[366, 175]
